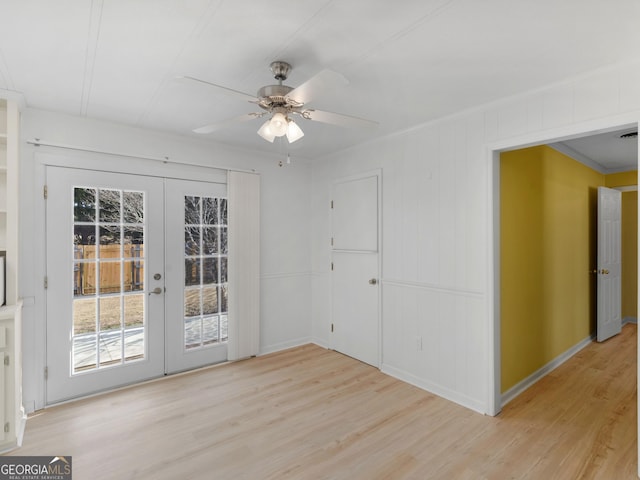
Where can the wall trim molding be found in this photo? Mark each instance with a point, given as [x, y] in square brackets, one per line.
[433, 288]
[435, 389]
[521, 386]
[278, 347]
[271, 276]
[626, 320]
[578, 157]
[320, 343]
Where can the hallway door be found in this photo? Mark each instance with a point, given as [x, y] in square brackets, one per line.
[609, 263]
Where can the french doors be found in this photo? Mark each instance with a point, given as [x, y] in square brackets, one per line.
[136, 279]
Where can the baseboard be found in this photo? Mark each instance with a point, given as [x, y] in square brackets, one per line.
[626, 320]
[520, 387]
[320, 343]
[439, 390]
[21, 427]
[285, 345]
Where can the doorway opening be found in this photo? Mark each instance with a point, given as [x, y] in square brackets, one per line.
[549, 269]
[498, 398]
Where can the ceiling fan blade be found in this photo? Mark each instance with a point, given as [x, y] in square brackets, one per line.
[226, 90]
[227, 123]
[339, 119]
[317, 85]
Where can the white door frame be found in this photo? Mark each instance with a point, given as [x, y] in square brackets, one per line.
[378, 174]
[494, 395]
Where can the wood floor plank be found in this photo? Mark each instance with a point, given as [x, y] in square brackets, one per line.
[311, 413]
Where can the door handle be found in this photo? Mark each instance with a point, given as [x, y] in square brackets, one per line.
[373, 281]
[604, 271]
[156, 291]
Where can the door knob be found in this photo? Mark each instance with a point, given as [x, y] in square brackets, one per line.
[604, 271]
[156, 291]
[373, 281]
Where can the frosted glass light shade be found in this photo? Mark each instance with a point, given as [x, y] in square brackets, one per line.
[294, 132]
[278, 124]
[265, 131]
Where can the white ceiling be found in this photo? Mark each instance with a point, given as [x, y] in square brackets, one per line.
[608, 152]
[408, 61]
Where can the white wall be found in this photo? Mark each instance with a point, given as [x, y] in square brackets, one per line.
[285, 228]
[438, 227]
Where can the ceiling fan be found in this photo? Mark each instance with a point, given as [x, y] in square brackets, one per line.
[282, 103]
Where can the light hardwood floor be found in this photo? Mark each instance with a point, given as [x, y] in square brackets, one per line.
[311, 413]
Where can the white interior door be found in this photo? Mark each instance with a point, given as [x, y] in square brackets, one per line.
[196, 271]
[105, 243]
[609, 263]
[355, 268]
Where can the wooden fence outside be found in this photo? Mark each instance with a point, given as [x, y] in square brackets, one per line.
[85, 273]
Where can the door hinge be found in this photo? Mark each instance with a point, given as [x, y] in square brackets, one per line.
[332, 328]
[46, 373]
[7, 427]
[46, 282]
[332, 241]
[6, 361]
[45, 192]
[332, 266]
[331, 203]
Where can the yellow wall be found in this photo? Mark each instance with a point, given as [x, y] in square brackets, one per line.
[629, 254]
[548, 247]
[623, 179]
[629, 241]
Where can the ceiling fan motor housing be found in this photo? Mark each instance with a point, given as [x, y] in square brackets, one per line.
[272, 96]
[280, 70]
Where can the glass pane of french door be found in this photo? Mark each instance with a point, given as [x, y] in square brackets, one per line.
[196, 262]
[105, 324]
[205, 280]
[108, 271]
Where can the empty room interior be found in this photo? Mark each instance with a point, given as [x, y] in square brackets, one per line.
[355, 240]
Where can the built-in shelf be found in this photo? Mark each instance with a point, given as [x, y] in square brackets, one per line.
[12, 416]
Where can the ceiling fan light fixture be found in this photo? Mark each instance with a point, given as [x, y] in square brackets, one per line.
[265, 131]
[294, 132]
[282, 101]
[278, 124]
